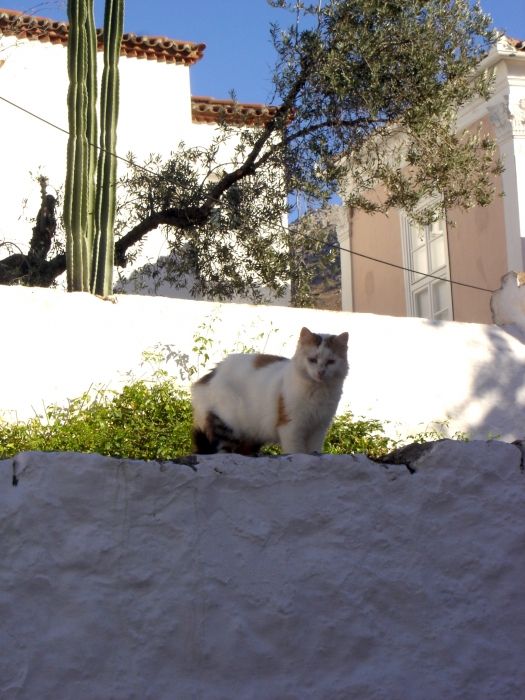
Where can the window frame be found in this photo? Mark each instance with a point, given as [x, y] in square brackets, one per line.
[414, 286]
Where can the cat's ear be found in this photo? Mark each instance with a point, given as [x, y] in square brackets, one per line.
[306, 336]
[342, 339]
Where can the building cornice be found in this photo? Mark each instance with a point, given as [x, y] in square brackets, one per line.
[505, 108]
[505, 48]
[507, 115]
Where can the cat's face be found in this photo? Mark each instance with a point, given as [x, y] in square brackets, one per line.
[322, 357]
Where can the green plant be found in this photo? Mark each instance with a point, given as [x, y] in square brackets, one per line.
[105, 205]
[348, 436]
[436, 431]
[154, 358]
[89, 211]
[203, 344]
[143, 421]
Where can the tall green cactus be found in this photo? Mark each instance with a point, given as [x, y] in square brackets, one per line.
[89, 208]
[81, 155]
[107, 163]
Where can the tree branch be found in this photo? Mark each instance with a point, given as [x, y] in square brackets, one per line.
[13, 268]
[332, 123]
[181, 217]
[187, 217]
[45, 227]
[276, 123]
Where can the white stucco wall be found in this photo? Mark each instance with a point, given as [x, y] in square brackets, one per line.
[155, 114]
[33, 76]
[407, 372]
[294, 578]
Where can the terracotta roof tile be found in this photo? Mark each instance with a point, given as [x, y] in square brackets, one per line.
[518, 44]
[208, 110]
[154, 48]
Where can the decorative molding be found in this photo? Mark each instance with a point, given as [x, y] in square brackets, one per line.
[508, 118]
[500, 117]
[518, 118]
[508, 45]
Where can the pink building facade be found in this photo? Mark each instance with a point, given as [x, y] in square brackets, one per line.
[483, 245]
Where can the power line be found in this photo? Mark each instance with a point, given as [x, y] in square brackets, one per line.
[32, 114]
[399, 267]
[304, 235]
[65, 131]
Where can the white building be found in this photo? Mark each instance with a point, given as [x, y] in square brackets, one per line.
[157, 112]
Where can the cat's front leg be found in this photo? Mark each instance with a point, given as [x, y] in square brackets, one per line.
[291, 441]
[315, 440]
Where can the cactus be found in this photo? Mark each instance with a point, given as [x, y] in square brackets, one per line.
[79, 186]
[89, 209]
[107, 163]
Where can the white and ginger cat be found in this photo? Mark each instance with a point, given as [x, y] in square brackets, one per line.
[250, 400]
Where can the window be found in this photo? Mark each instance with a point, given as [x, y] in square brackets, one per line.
[425, 251]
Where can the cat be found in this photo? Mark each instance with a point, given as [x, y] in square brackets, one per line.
[251, 399]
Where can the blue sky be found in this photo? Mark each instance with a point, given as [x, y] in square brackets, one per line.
[239, 55]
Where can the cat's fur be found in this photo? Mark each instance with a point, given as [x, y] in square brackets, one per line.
[249, 400]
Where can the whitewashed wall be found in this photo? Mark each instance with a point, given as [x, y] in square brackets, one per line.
[34, 76]
[407, 372]
[297, 578]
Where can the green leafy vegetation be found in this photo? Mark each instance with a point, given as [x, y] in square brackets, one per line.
[348, 436]
[153, 421]
[143, 421]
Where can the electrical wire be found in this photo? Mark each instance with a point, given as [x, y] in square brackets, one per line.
[308, 236]
[65, 131]
[399, 267]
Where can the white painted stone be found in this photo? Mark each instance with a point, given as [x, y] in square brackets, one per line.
[297, 578]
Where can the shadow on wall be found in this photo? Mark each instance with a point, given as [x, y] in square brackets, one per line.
[163, 278]
[496, 406]
[157, 278]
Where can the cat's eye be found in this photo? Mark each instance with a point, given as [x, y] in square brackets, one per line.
[313, 360]
[330, 362]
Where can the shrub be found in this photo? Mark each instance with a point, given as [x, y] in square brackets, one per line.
[349, 436]
[143, 421]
